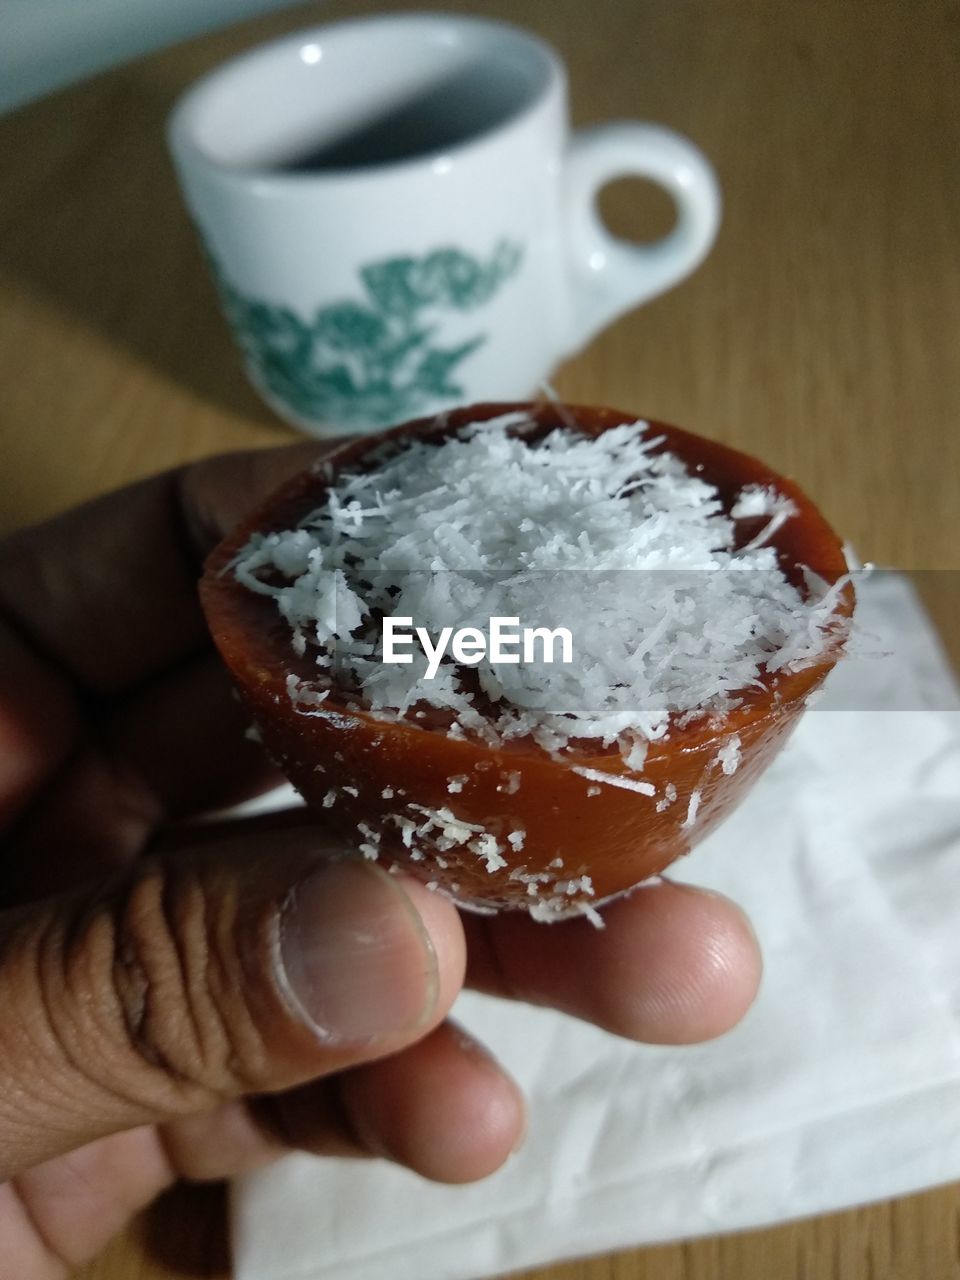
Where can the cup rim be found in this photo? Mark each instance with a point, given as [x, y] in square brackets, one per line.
[182, 141]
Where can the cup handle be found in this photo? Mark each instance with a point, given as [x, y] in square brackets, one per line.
[610, 276]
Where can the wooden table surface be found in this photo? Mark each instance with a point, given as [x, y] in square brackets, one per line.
[822, 334]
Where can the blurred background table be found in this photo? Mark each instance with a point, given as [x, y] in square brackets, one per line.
[823, 334]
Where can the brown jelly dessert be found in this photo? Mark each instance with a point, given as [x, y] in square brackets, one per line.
[525, 815]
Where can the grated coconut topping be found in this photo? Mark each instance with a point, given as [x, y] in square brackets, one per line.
[671, 620]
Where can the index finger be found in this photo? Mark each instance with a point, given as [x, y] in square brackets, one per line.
[673, 965]
[107, 592]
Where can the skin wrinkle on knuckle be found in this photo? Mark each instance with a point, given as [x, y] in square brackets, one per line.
[98, 992]
[129, 1003]
[32, 1065]
[180, 987]
[58, 1056]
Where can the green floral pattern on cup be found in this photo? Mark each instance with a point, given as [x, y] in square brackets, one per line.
[377, 360]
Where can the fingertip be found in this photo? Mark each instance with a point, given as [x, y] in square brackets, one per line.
[367, 960]
[697, 962]
[442, 925]
[443, 1108]
[673, 964]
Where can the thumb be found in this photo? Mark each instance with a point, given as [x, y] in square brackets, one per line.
[203, 977]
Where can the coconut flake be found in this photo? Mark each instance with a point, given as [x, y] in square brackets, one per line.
[487, 847]
[634, 752]
[756, 500]
[302, 696]
[616, 780]
[668, 797]
[693, 806]
[672, 621]
[728, 757]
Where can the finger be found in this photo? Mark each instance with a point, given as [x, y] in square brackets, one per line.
[105, 596]
[185, 736]
[107, 591]
[673, 965]
[96, 817]
[39, 724]
[201, 978]
[173, 749]
[442, 1107]
[58, 1215]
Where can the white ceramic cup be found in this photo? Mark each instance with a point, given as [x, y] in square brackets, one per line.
[399, 219]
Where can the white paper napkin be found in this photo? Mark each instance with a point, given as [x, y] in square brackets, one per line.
[838, 1088]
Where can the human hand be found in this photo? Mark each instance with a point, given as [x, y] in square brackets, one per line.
[182, 1001]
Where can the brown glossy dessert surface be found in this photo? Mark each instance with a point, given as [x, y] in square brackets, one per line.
[369, 776]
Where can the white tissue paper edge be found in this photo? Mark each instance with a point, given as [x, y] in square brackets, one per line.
[833, 1090]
